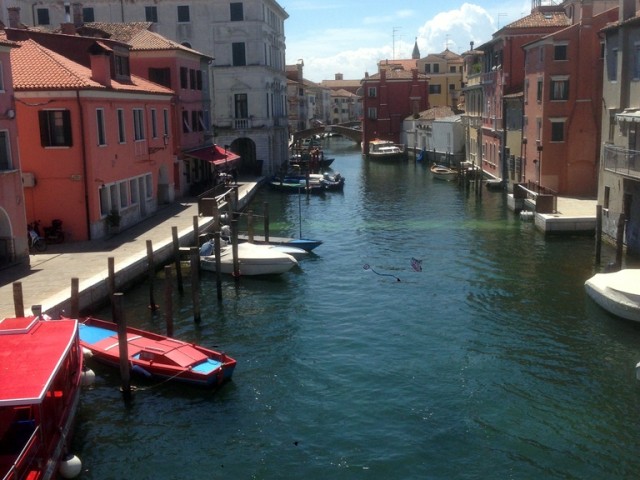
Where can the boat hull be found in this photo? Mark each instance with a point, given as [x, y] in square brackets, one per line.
[303, 243]
[252, 260]
[443, 173]
[156, 356]
[617, 292]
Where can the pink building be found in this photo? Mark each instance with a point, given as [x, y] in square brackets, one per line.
[94, 138]
[563, 103]
[390, 96]
[503, 75]
[13, 225]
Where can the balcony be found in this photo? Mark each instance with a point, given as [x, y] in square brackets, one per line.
[621, 161]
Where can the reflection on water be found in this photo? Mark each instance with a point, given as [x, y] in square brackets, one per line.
[491, 362]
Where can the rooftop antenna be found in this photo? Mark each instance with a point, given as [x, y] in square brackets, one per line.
[395, 29]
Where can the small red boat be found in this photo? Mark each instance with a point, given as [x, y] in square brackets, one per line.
[156, 356]
[40, 378]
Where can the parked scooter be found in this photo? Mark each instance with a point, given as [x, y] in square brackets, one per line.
[36, 242]
[54, 233]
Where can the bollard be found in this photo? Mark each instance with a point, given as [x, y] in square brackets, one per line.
[266, 222]
[168, 300]
[18, 299]
[234, 249]
[176, 258]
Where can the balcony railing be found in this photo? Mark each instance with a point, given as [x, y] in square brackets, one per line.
[622, 161]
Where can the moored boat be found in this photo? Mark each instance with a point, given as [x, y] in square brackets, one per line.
[40, 382]
[304, 243]
[443, 173]
[386, 150]
[157, 356]
[293, 184]
[617, 292]
[252, 259]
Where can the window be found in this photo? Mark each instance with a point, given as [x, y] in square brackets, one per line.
[559, 88]
[124, 194]
[372, 92]
[184, 77]
[183, 14]
[237, 51]
[122, 65]
[435, 89]
[192, 79]
[104, 201]
[161, 76]
[1, 77]
[636, 61]
[452, 69]
[133, 189]
[186, 127]
[102, 137]
[557, 130]
[539, 91]
[43, 16]
[452, 86]
[55, 128]
[88, 15]
[122, 138]
[372, 113]
[198, 79]
[151, 14]
[436, 68]
[612, 65]
[526, 91]
[195, 121]
[427, 68]
[241, 105]
[138, 124]
[154, 123]
[165, 121]
[560, 52]
[237, 14]
[5, 151]
[149, 185]
[607, 194]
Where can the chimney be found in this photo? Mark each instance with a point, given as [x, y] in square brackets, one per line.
[68, 28]
[339, 76]
[14, 17]
[77, 14]
[627, 9]
[471, 44]
[100, 57]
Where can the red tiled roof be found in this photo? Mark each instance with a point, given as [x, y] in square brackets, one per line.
[543, 17]
[56, 72]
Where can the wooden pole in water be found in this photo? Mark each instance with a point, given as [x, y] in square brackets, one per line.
[196, 231]
[620, 241]
[75, 298]
[151, 274]
[234, 249]
[111, 280]
[176, 258]
[598, 233]
[250, 225]
[216, 251]
[168, 300]
[194, 256]
[266, 222]
[123, 346]
[18, 299]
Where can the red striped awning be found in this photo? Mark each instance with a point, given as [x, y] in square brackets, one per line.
[216, 155]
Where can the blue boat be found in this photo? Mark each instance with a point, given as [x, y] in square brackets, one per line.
[303, 243]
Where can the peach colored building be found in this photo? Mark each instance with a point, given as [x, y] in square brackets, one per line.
[563, 104]
[94, 137]
[13, 225]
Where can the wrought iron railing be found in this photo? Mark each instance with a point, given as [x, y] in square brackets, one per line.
[621, 160]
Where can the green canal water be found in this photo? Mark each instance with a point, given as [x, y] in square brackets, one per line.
[491, 362]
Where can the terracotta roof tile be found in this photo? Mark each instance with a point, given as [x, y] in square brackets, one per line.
[543, 17]
[119, 31]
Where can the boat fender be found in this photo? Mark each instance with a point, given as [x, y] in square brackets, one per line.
[87, 353]
[88, 377]
[70, 466]
[140, 371]
[638, 371]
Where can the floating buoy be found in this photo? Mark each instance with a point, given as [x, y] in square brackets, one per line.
[88, 377]
[638, 371]
[70, 466]
[86, 353]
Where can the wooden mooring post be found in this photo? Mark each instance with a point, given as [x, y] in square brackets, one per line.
[168, 300]
[250, 225]
[151, 273]
[620, 241]
[216, 251]
[234, 249]
[176, 258]
[111, 279]
[598, 234]
[123, 346]
[194, 257]
[266, 222]
[18, 299]
[75, 298]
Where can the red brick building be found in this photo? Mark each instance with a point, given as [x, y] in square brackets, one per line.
[390, 96]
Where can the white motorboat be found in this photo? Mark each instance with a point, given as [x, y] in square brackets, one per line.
[386, 150]
[617, 292]
[252, 259]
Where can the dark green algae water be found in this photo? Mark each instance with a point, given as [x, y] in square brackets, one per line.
[489, 363]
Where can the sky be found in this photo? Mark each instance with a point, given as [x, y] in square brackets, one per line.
[352, 36]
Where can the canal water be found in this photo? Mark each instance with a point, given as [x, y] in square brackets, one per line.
[489, 363]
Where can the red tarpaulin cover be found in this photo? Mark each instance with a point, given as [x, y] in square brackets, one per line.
[215, 155]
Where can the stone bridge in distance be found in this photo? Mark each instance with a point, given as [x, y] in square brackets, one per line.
[344, 129]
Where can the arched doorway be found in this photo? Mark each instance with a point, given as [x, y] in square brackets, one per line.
[246, 148]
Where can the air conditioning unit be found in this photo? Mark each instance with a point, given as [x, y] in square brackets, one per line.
[28, 179]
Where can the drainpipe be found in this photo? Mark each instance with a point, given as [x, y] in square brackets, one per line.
[84, 167]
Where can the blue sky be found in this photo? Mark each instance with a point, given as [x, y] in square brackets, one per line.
[350, 37]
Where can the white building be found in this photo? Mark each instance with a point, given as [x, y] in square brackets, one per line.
[246, 39]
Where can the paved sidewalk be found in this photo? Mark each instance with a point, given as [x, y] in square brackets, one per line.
[47, 281]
